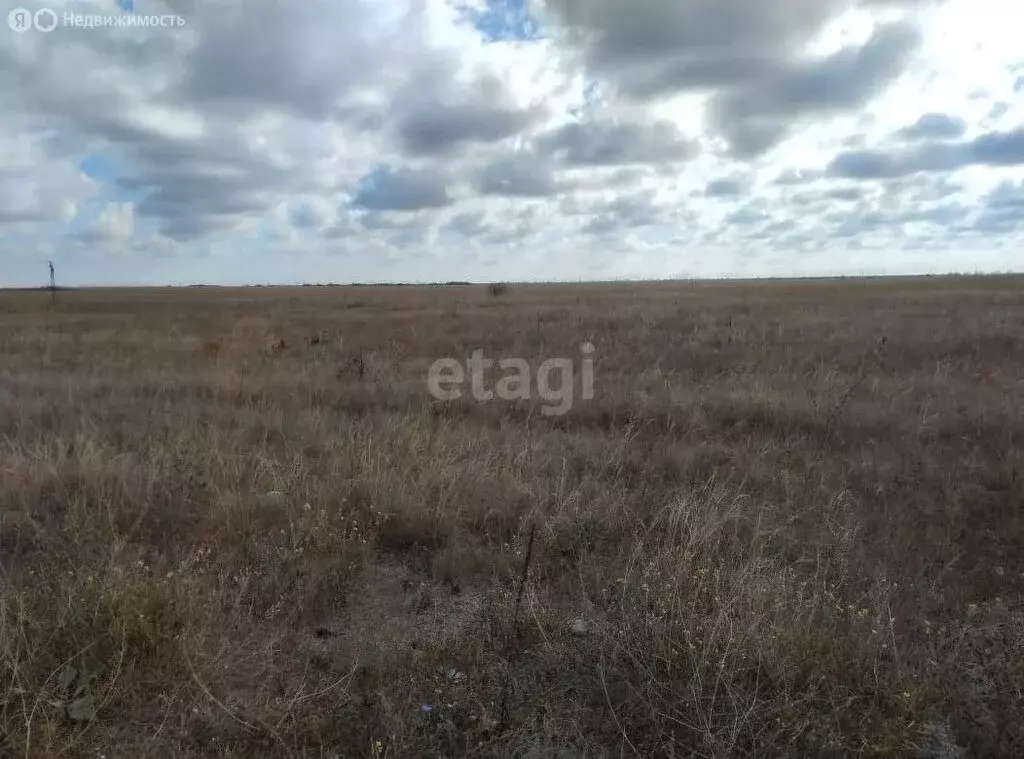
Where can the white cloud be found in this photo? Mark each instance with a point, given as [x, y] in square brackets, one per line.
[114, 227]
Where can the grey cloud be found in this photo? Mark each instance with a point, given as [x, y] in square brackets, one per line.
[989, 223]
[176, 199]
[844, 79]
[877, 216]
[436, 114]
[305, 216]
[438, 128]
[941, 215]
[848, 194]
[513, 228]
[619, 179]
[726, 187]
[780, 232]
[626, 176]
[467, 224]
[891, 216]
[878, 164]
[998, 148]
[756, 116]
[574, 205]
[865, 164]
[403, 190]
[188, 180]
[804, 198]
[625, 211]
[773, 230]
[187, 228]
[399, 231]
[382, 220]
[517, 176]
[797, 176]
[779, 227]
[1002, 209]
[602, 225]
[823, 200]
[1008, 196]
[934, 126]
[292, 55]
[752, 213]
[610, 143]
[993, 149]
[997, 111]
[650, 47]
[750, 137]
[854, 224]
[921, 188]
[747, 53]
[891, 220]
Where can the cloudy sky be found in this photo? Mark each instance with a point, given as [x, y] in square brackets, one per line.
[419, 140]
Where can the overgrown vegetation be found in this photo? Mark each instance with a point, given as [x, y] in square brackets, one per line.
[236, 523]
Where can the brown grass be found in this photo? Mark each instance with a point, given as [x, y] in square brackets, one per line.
[235, 523]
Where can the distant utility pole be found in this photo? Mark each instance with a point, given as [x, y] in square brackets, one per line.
[53, 284]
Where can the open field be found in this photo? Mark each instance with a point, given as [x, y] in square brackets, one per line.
[790, 522]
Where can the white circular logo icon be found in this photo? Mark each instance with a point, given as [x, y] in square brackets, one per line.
[20, 20]
[45, 20]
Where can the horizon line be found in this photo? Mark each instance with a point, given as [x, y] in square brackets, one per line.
[473, 283]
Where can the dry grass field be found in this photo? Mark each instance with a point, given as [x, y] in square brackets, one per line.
[789, 523]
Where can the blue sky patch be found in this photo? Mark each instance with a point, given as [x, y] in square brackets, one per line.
[377, 178]
[100, 168]
[506, 20]
[105, 171]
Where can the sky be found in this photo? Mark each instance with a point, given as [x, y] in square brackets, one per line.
[275, 141]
